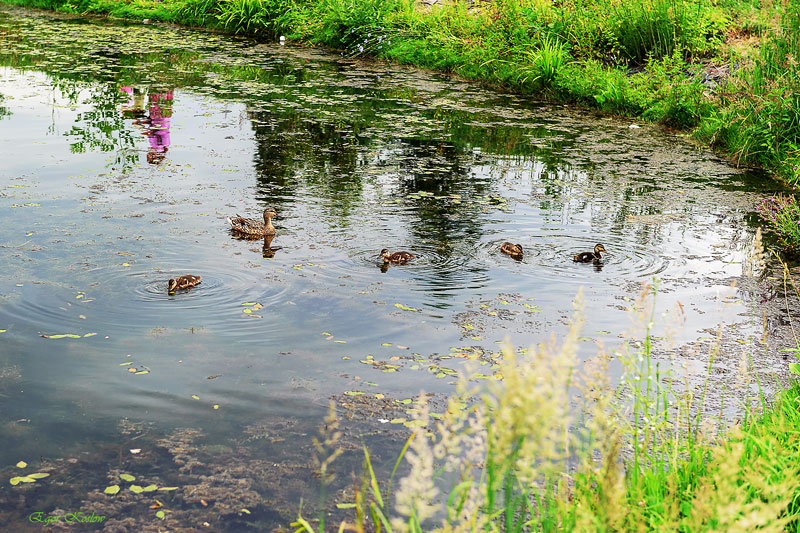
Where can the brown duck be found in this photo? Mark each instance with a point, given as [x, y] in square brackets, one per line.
[590, 257]
[514, 250]
[183, 282]
[252, 226]
[396, 257]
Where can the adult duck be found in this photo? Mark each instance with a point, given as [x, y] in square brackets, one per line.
[590, 257]
[182, 282]
[514, 250]
[252, 226]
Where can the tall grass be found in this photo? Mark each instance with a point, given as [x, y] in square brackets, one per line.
[517, 455]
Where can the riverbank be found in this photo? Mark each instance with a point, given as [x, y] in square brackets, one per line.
[727, 72]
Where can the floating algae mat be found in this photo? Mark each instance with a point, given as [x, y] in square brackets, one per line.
[123, 148]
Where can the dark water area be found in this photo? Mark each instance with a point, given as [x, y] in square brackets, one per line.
[123, 148]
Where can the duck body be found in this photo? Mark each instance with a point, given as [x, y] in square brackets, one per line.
[183, 282]
[396, 257]
[514, 250]
[590, 257]
[253, 227]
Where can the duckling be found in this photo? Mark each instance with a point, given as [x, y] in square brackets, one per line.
[183, 282]
[396, 257]
[590, 257]
[514, 250]
[252, 226]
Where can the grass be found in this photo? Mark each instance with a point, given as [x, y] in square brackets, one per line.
[517, 456]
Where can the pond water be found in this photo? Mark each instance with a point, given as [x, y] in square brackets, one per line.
[123, 148]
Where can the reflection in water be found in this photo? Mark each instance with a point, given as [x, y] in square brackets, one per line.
[356, 157]
[154, 121]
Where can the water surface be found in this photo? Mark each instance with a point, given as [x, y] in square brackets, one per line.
[123, 148]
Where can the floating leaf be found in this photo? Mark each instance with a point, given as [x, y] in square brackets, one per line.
[168, 488]
[249, 303]
[21, 464]
[405, 307]
[150, 488]
[62, 336]
[113, 489]
[353, 393]
[126, 477]
[3, 330]
[468, 326]
[399, 347]
[326, 333]
[161, 515]
[15, 480]
[126, 364]
[341, 342]
[380, 396]
[386, 344]
[397, 421]
[345, 506]
[142, 372]
[136, 489]
[243, 510]
[476, 338]
[195, 396]
[414, 423]
[247, 310]
[38, 475]
[216, 406]
[90, 334]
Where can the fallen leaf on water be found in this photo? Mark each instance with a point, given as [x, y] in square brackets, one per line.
[243, 510]
[21, 464]
[126, 477]
[345, 506]
[38, 475]
[249, 303]
[380, 396]
[353, 393]
[216, 406]
[136, 489]
[168, 488]
[125, 364]
[195, 396]
[326, 333]
[341, 342]
[468, 326]
[399, 347]
[397, 420]
[142, 372]
[161, 515]
[247, 310]
[386, 344]
[150, 488]
[62, 336]
[113, 489]
[90, 334]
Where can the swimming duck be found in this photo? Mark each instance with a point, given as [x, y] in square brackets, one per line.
[396, 257]
[589, 257]
[514, 250]
[252, 226]
[183, 282]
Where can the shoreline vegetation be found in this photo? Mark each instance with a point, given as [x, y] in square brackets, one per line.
[515, 456]
[726, 71]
